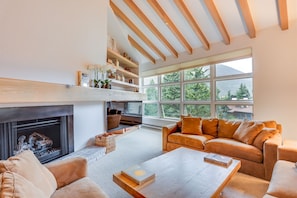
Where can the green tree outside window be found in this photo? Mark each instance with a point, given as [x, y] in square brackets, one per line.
[151, 109]
[170, 78]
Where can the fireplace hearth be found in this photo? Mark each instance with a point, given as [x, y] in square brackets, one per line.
[46, 130]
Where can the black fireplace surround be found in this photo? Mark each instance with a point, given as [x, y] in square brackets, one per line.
[46, 130]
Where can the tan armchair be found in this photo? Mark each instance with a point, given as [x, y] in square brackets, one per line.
[24, 176]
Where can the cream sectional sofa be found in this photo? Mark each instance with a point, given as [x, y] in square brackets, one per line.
[254, 143]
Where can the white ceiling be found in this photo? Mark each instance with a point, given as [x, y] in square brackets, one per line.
[264, 15]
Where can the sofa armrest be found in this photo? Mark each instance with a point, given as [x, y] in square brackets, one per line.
[270, 149]
[68, 170]
[166, 130]
[288, 151]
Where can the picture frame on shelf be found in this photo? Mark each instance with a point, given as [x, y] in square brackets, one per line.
[83, 79]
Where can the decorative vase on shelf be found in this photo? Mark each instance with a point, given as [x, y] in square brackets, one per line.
[99, 75]
[104, 75]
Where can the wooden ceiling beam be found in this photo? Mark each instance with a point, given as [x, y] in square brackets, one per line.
[162, 14]
[283, 14]
[135, 29]
[193, 23]
[150, 25]
[248, 19]
[141, 50]
[218, 20]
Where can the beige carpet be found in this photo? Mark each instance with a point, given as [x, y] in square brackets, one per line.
[143, 144]
[245, 186]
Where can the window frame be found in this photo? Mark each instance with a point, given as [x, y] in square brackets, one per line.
[212, 81]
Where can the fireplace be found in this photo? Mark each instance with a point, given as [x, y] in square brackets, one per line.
[46, 130]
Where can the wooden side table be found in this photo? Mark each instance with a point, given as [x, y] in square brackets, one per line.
[288, 151]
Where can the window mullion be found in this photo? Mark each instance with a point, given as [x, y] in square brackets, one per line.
[182, 101]
[213, 91]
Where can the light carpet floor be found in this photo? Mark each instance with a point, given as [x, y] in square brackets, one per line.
[143, 144]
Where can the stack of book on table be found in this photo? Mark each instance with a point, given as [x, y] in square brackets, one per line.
[218, 159]
[138, 174]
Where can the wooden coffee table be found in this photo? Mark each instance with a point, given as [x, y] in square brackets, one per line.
[181, 173]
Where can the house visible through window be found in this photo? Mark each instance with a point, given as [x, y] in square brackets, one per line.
[223, 90]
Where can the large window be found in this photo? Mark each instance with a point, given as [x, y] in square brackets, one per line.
[223, 90]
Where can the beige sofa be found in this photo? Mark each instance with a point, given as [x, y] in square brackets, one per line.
[24, 176]
[255, 143]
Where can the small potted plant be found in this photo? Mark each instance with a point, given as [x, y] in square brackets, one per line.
[105, 83]
[96, 83]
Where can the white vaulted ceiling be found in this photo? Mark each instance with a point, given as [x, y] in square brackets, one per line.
[159, 29]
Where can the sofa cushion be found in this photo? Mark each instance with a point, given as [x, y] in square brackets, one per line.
[270, 124]
[234, 148]
[227, 128]
[191, 125]
[283, 180]
[210, 126]
[264, 135]
[179, 123]
[14, 185]
[195, 141]
[247, 131]
[29, 167]
[84, 187]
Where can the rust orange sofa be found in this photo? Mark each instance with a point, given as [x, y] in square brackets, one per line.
[254, 143]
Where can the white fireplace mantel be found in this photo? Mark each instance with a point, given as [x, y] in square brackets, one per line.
[24, 91]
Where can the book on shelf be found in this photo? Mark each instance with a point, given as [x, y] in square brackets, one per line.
[218, 159]
[138, 174]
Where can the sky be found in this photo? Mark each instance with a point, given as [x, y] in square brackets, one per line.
[244, 65]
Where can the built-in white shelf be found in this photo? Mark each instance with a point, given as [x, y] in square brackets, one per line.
[123, 60]
[26, 91]
[123, 84]
[126, 73]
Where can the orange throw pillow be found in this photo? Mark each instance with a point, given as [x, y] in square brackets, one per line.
[247, 132]
[264, 135]
[270, 124]
[179, 123]
[226, 129]
[191, 125]
[210, 126]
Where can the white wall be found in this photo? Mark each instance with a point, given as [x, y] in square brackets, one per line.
[50, 41]
[275, 67]
[275, 82]
[88, 122]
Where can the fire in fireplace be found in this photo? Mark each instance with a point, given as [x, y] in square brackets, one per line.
[46, 130]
